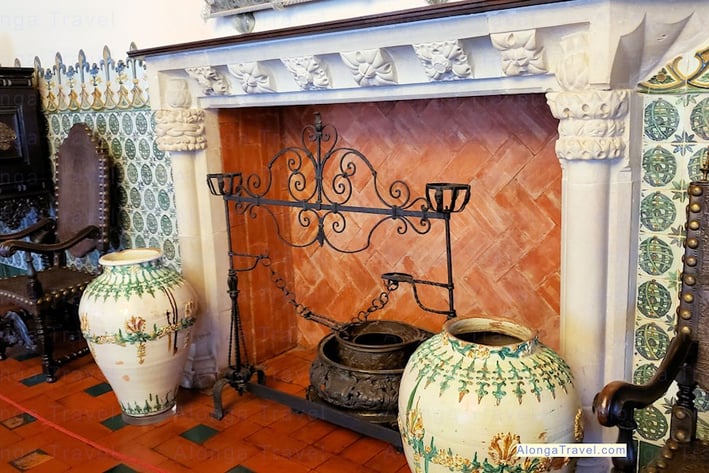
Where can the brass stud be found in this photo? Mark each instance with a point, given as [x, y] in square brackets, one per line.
[686, 330]
[695, 207]
[693, 225]
[672, 444]
[661, 463]
[689, 280]
[685, 314]
[691, 261]
[651, 469]
[681, 435]
[689, 298]
[695, 190]
[680, 414]
[692, 243]
[666, 453]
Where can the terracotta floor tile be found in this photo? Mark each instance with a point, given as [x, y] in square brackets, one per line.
[362, 450]
[269, 463]
[387, 460]
[311, 456]
[313, 431]
[258, 434]
[233, 434]
[291, 422]
[341, 465]
[337, 440]
[276, 442]
[183, 451]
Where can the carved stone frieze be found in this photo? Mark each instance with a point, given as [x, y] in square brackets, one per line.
[308, 72]
[180, 130]
[519, 52]
[370, 67]
[210, 80]
[443, 60]
[592, 123]
[253, 77]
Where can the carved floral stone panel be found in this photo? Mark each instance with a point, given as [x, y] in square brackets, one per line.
[443, 60]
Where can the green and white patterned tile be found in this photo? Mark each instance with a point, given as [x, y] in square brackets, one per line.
[143, 178]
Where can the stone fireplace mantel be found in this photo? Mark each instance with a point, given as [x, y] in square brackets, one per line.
[587, 57]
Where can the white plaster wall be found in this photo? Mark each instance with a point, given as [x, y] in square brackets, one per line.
[42, 28]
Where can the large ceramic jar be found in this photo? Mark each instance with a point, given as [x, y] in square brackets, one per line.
[136, 317]
[470, 394]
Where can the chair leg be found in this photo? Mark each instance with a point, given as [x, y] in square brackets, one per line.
[45, 346]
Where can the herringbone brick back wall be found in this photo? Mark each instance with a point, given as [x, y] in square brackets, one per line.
[505, 244]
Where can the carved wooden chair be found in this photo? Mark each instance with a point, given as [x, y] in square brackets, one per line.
[49, 296]
[686, 361]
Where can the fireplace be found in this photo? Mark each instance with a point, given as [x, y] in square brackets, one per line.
[585, 57]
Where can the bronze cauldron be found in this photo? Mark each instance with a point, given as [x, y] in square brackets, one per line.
[359, 367]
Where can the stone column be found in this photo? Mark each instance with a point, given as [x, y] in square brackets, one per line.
[597, 199]
[181, 132]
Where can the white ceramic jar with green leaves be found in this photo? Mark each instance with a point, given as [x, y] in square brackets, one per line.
[137, 317]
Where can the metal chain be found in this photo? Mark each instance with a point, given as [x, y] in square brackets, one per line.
[304, 311]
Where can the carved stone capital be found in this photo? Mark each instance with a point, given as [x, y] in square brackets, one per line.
[370, 67]
[180, 130]
[519, 52]
[210, 80]
[443, 60]
[592, 123]
[254, 78]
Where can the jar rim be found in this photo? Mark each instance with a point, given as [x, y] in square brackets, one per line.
[522, 333]
[130, 256]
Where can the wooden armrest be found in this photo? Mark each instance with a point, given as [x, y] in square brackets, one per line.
[45, 225]
[615, 403]
[9, 248]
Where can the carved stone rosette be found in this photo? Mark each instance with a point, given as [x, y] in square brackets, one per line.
[254, 78]
[370, 67]
[180, 130]
[443, 60]
[592, 123]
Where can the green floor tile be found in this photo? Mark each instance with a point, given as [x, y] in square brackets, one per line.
[114, 423]
[240, 469]
[199, 433]
[121, 469]
[34, 380]
[98, 389]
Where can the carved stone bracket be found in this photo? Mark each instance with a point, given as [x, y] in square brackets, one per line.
[520, 53]
[253, 77]
[210, 80]
[443, 60]
[308, 72]
[370, 67]
[180, 130]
